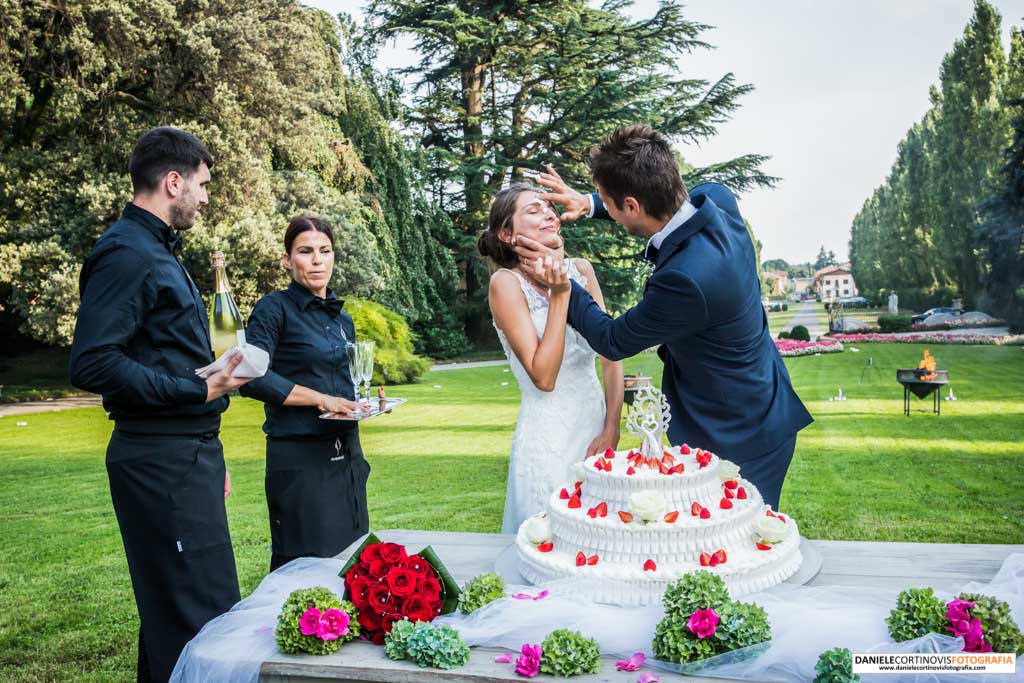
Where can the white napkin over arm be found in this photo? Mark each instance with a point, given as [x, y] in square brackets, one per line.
[255, 362]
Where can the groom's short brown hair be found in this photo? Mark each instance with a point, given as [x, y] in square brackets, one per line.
[637, 161]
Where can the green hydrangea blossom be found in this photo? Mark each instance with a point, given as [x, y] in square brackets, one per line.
[569, 653]
[835, 666]
[740, 624]
[997, 624]
[440, 647]
[397, 641]
[289, 635]
[918, 612]
[479, 591]
[674, 642]
[696, 590]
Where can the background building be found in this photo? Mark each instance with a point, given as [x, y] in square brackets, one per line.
[834, 282]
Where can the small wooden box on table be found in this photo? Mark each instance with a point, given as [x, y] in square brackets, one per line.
[943, 566]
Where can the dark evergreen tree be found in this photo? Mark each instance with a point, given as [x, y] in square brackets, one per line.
[506, 86]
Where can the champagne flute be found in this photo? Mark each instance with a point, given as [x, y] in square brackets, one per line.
[366, 369]
[355, 362]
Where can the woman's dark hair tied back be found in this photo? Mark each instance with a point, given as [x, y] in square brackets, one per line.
[503, 208]
[301, 224]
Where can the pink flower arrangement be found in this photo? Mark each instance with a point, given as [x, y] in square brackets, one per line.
[703, 623]
[794, 347]
[329, 625]
[926, 338]
[964, 626]
[960, 324]
[528, 663]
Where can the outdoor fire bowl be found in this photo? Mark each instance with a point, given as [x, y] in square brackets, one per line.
[913, 379]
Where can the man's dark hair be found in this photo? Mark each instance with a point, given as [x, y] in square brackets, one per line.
[637, 161]
[162, 150]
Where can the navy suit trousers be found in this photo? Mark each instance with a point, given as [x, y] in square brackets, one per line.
[767, 472]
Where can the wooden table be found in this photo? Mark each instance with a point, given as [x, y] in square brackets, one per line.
[945, 567]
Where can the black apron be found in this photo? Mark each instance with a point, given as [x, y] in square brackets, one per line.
[316, 494]
[168, 494]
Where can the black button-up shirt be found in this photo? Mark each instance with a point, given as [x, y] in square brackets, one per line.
[305, 337]
[142, 331]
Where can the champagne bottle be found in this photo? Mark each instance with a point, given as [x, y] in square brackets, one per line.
[226, 326]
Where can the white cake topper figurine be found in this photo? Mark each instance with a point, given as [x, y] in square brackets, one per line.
[649, 417]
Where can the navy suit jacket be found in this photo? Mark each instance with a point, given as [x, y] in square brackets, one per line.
[727, 387]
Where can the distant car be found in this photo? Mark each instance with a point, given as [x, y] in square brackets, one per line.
[921, 317]
[854, 302]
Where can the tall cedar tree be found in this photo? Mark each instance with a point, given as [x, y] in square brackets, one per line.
[506, 86]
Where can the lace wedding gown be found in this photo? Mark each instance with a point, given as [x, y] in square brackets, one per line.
[554, 428]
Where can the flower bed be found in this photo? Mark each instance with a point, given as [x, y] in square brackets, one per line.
[790, 348]
[926, 338]
[960, 324]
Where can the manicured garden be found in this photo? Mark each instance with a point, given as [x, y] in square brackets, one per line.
[862, 471]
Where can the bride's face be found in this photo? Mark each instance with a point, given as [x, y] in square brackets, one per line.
[536, 219]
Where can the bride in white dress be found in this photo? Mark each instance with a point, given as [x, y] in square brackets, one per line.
[565, 415]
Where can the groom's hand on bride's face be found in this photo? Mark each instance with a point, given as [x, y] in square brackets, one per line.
[531, 250]
[575, 203]
[552, 273]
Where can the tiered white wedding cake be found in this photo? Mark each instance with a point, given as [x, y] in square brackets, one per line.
[634, 521]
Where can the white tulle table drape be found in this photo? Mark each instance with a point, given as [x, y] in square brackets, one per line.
[806, 620]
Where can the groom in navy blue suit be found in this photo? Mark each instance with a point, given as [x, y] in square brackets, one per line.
[727, 387]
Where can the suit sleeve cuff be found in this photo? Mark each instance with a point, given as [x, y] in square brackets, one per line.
[270, 388]
[590, 201]
[195, 390]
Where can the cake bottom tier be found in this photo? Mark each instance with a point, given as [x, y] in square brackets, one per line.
[744, 572]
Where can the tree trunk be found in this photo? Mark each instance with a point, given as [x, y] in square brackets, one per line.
[474, 218]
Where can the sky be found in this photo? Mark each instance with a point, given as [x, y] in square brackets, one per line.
[837, 85]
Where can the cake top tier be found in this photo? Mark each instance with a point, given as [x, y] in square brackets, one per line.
[681, 463]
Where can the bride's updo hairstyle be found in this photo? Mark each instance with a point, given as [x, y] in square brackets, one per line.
[503, 208]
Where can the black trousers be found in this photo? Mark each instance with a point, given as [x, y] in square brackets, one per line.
[768, 472]
[168, 494]
[316, 496]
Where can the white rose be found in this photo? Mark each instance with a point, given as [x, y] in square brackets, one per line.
[537, 529]
[579, 469]
[648, 505]
[728, 470]
[772, 529]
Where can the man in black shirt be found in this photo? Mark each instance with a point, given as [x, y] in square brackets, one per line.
[142, 331]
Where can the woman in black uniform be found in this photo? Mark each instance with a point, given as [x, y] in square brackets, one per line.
[316, 472]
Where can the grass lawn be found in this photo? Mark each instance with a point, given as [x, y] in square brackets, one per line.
[862, 471]
[778, 320]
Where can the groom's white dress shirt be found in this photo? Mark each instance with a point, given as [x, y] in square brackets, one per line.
[681, 216]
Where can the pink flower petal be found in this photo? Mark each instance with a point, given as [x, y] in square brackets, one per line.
[527, 596]
[631, 664]
[648, 677]
[506, 658]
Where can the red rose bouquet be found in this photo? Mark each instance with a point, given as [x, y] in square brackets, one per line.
[387, 584]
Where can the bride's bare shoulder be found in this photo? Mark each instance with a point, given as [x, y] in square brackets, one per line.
[504, 284]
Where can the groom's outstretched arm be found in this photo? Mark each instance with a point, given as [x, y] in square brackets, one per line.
[673, 306]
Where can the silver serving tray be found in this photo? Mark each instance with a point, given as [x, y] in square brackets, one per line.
[378, 406]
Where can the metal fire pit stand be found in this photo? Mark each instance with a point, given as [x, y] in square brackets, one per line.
[922, 388]
[936, 403]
